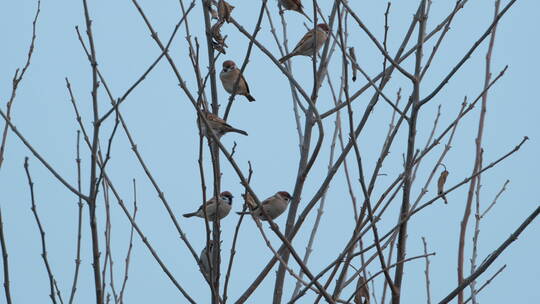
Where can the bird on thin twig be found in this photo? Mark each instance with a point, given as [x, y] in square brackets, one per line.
[273, 206]
[224, 11]
[229, 76]
[218, 125]
[311, 42]
[362, 292]
[206, 264]
[440, 183]
[222, 207]
[293, 5]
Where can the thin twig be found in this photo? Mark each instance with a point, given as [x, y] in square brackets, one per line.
[426, 272]
[5, 261]
[487, 282]
[17, 78]
[41, 232]
[79, 223]
[495, 199]
[478, 151]
[235, 239]
[491, 257]
[93, 187]
[130, 247]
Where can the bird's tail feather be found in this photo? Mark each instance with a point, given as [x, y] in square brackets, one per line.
[303, 13]
[190, 214]
[285, 58]
[239, 131]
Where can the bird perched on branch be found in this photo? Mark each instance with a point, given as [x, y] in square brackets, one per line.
[273, 206]
[312, 41]
[293, 5]
[206, 259]
[218, 125]
[221, 206]
[229, 76]
[361, 295]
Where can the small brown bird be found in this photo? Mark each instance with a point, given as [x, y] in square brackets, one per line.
[229, 75]
[218, 125]
[206, 264]
[362, 292]
[293, 5]
[273, 206]
[224, 11]
[312, 40]
[222, 207]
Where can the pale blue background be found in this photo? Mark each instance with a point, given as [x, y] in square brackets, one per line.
[162, 122]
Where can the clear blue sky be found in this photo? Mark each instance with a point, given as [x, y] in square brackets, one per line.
[163, 124]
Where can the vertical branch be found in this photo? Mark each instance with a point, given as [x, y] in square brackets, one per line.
[367, 202]
[213, 87]
[214, 152]
[426, 272]
[478, 217]
[107, 234]
[288, 64]
[92, 196]
[5, 262]
[409, 163]
[306, 162]
[235, 239]
[79, 221]
[41, 233]
[130, 247]
[320, 210]
[476, 234]
[477, 161]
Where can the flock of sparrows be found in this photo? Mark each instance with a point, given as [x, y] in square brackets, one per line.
[230, 77]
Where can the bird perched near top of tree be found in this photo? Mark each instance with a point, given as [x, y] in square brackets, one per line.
[310, 43]
[273, 206]
[229, 76]
[222, 207]
[293, 5]
[218, 125]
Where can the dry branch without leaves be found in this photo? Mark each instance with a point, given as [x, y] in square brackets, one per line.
[376, 249]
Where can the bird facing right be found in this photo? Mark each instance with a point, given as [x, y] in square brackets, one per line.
[273, 206]
[218, 125]
[312, 41]
[294, 5]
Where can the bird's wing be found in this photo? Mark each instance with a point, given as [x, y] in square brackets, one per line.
[304, 42]
[212, 117]
[244, 83]
[208, 203]
[298, 4]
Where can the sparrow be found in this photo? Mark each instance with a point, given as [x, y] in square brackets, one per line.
[224, 11]
[222, 206]
[293, 5]
[229, 75]
[274, 206]
[218, 125]
[307, 43]
[206, 264]
[362, 292]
